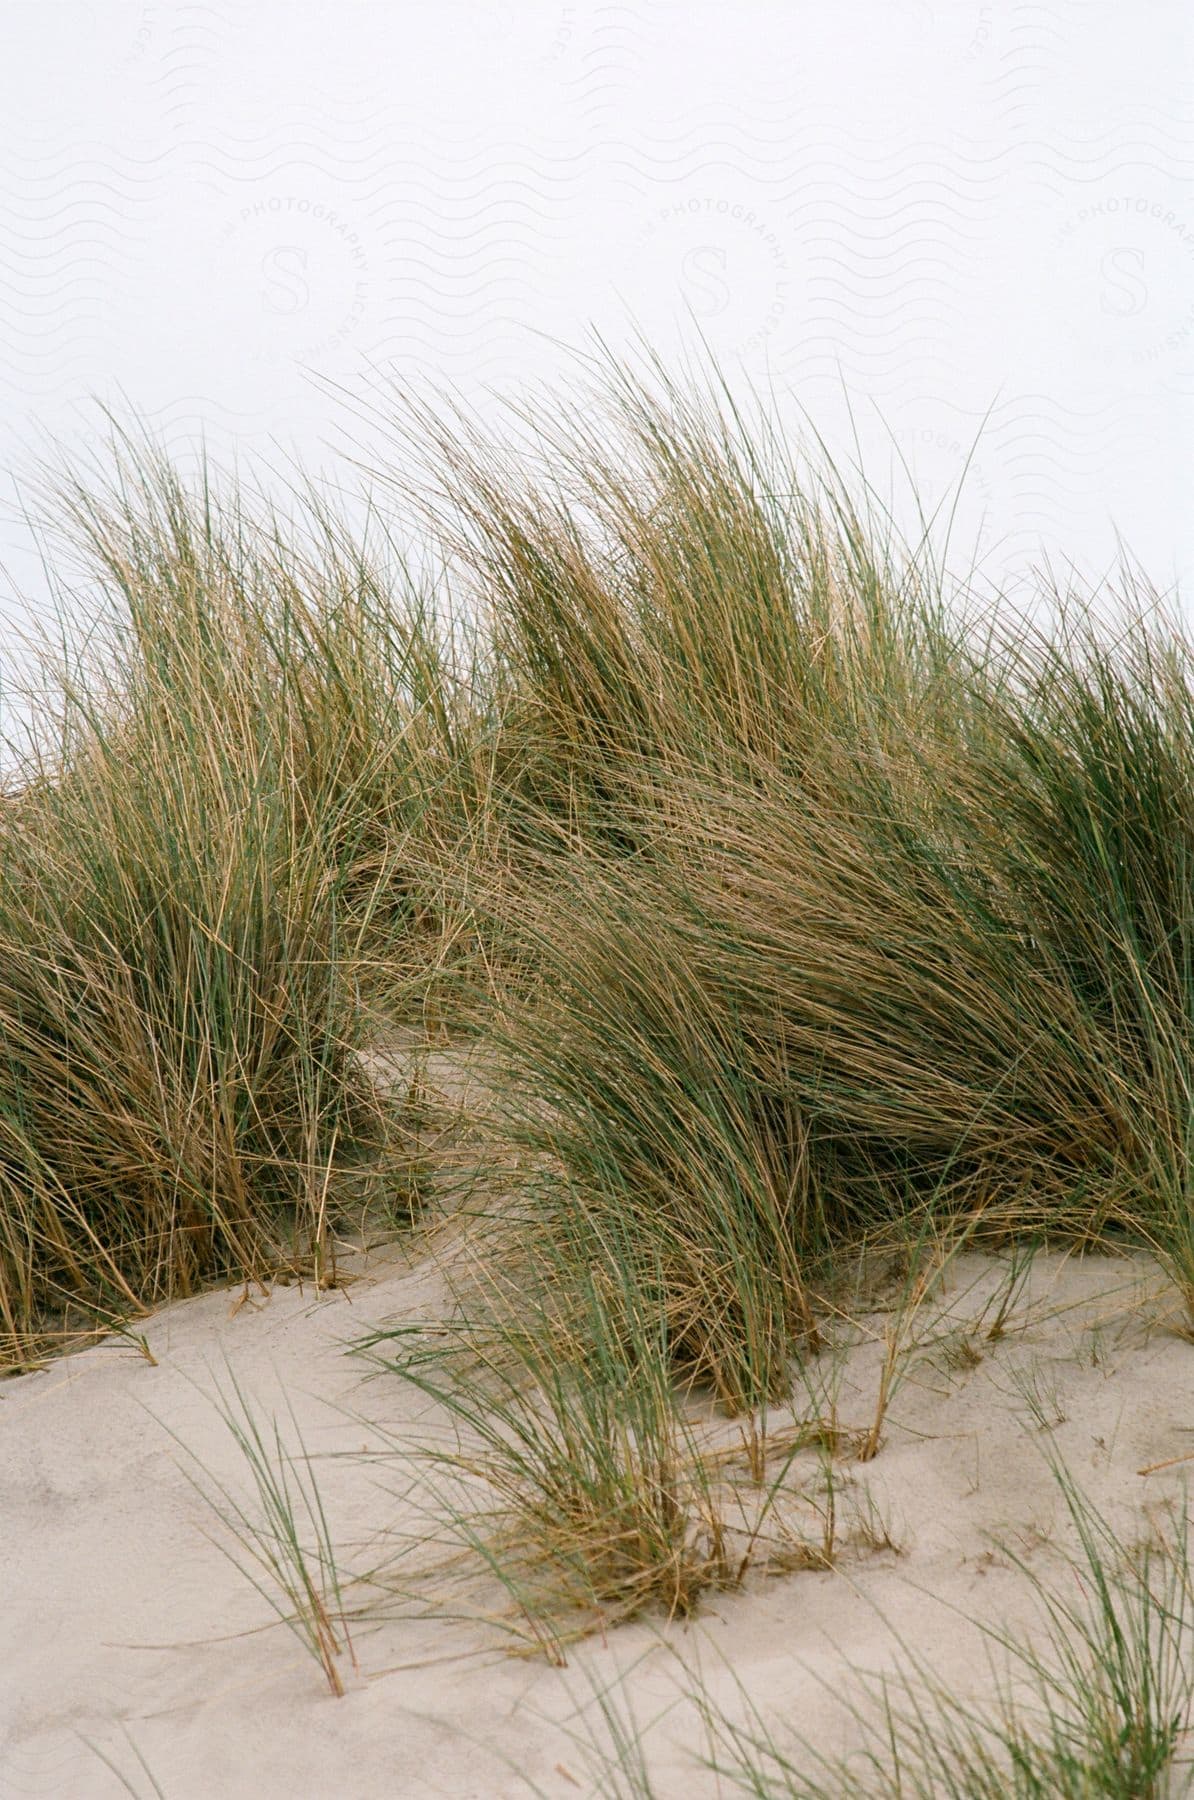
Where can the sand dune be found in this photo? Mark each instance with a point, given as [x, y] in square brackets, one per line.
[127, 1634]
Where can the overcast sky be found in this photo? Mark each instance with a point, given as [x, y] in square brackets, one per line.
[926, 214]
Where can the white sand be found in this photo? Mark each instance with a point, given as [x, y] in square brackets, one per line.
[122, 1624]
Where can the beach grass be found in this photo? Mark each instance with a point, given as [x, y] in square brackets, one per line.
[802, 905]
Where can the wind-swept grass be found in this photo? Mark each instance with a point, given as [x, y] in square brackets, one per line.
[800, 898]
[190, 869]
[839, 903]
[799, 904]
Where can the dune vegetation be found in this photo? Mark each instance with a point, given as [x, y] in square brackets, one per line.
[800, 904]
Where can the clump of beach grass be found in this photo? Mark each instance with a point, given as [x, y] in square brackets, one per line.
[569, 1469]
[190, 873]
[840, 901]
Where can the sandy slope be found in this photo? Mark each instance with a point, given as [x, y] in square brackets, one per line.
[122, 1624]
